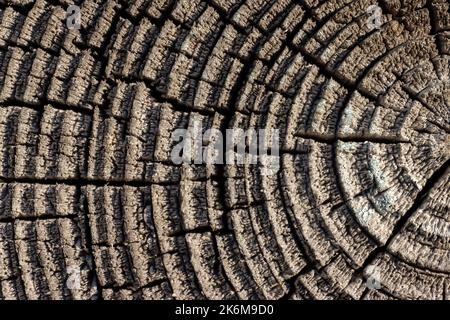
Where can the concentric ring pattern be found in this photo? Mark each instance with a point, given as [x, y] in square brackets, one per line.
[91, 205]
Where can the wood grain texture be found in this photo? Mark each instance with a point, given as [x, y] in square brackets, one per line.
[88, 191]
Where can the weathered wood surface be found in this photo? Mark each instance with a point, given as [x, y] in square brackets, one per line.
[87, 183]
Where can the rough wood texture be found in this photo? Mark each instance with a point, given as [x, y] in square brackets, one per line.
[88, 189]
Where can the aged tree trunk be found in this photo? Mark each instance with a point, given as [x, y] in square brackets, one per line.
[92, 205]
